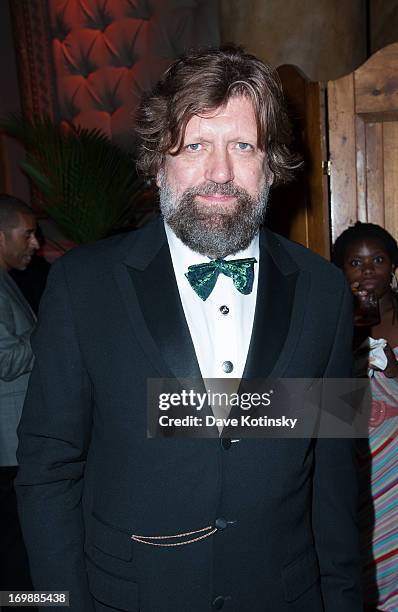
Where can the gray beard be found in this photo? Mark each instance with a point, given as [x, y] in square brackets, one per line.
[213, 233]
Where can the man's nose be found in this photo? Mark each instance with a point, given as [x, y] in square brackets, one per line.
[34, 243]
[219, 168]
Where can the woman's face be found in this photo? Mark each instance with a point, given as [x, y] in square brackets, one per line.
[367, 262]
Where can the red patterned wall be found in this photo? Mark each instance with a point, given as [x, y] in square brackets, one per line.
[106, 53]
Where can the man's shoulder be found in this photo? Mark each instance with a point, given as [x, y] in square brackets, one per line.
[96, 252]
[293, 254]
[8, 287]
[105, 253]
[3, 281]
[7, 297]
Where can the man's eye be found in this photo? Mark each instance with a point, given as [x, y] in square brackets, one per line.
[355, 263]
[195, 146]
[244, 146]
[378, 259]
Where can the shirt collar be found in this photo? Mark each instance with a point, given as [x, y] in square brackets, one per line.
[183, 256]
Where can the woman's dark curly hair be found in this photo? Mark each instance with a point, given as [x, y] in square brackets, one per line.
[362, 231]
[202, 81]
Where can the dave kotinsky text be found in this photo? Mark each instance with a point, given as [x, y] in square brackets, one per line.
[233, 406]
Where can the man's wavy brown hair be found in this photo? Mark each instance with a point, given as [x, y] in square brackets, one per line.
[202, 81]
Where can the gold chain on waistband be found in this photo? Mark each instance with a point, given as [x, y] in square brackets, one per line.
[143, 539]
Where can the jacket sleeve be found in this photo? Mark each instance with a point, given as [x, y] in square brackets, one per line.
[54, 436]
[16, 355]
[335, 491]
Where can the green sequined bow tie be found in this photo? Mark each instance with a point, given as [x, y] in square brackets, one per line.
[203, 277]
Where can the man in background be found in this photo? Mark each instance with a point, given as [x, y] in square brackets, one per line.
[32, 281]
[18, 243]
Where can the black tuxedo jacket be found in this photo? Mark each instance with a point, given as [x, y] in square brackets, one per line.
[89, 478]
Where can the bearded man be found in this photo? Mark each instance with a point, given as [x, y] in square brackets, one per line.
[124, 522]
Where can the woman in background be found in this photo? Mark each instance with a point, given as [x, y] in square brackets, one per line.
[368, 255]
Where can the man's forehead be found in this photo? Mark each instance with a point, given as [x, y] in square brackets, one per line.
[237, 113]
[25, 221]
[235, 101]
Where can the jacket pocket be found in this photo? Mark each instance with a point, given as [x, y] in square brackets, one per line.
[300, 575]
[109, 562]
[112, 591]
[109, 539]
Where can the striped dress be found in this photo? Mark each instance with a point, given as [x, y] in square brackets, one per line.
[378, 512]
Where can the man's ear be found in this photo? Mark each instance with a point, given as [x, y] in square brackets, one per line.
[269, 175]
[160, 176]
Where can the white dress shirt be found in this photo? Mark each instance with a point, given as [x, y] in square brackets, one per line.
[220, 326]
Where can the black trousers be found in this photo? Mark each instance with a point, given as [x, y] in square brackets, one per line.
[14, 566]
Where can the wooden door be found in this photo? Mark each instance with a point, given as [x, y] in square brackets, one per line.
[363, 140]
[300, 210]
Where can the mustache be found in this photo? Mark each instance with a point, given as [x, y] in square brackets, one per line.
[224, 189]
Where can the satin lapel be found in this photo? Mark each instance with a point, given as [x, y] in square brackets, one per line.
[150, 293]
[161, 306]
[280, 308]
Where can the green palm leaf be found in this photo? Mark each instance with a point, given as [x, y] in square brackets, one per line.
[88, 184]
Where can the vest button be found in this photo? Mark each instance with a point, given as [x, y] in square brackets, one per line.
[227, 367]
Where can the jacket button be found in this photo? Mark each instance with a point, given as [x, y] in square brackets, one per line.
[218, 603]
[226, 443]
[221, 523]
